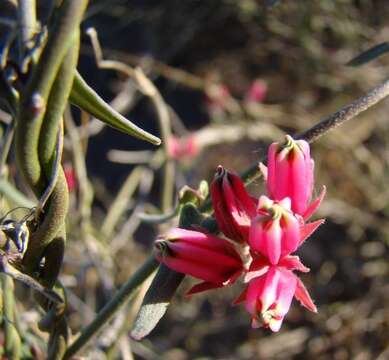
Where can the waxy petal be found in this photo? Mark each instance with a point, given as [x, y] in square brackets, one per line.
[265, 237]
[286, 288]
[300, 181]
[290, 234]
[303, 296]
[200, 239]
[258, 267]
[203, 256]
[293, 263]
[241, 298]
[315, 204]
[196, 270]
[308, 229]
[232, 205]
[271, 168]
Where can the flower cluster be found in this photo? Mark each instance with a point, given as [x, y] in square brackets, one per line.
[260, 236]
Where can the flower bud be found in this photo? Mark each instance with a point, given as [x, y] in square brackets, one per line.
[268, 297]
[275, 232]
[233, 206]
[290, 173]
[200, 255]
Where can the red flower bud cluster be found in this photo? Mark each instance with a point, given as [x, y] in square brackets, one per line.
[260, 236]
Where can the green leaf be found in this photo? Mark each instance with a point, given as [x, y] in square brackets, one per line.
[156, 301]
[163, 286]
[83, 96]
[369, 55]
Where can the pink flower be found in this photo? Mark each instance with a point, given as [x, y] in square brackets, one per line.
[200, 255]
[70, 177]
[268, 296]
[275, 232]
[290, 174]
[233, 206]
[257, 91]
[185, 147]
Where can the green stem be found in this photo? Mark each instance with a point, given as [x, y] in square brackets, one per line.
[14, 195]
[119, 299]
[12, 345]
[27, 23]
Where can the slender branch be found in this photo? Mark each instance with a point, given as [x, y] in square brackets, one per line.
[120, 298]
[6, 145]
[146, 86]
[348, 112]
[27, 23]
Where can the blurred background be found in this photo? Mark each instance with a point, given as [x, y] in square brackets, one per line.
[233, 77]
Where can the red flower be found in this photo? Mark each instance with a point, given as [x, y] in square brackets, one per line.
[233, 206]
[200, 255]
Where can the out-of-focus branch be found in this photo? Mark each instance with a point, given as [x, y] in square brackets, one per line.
[110, 309]
[147, 88]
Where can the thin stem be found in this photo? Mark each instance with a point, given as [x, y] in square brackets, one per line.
[348, 112]
[6, 145]
[120, 204]
[120, 298]
[149, 89]
[330, 122]
[27, 23]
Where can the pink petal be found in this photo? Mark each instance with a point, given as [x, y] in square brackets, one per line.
[202, 255]
[293, 263]
[303, 296]
[258, 267]
[241, 298]
[308, 229]
[256, 233]
[246, 203]
[282, 175]
[269, 294]
[254, 288]
[285, 290]
[290, 233]
[271, 241]
[201, 239]
[194, 269]
[271, 168]
[300, 181]
[314, 204]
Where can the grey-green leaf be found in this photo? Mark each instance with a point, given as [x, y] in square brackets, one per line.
[156, 301]
[83, 96]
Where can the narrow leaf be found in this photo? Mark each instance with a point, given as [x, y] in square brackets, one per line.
[156, 301]
[370, 54]
[163, 286]
[83, 96]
